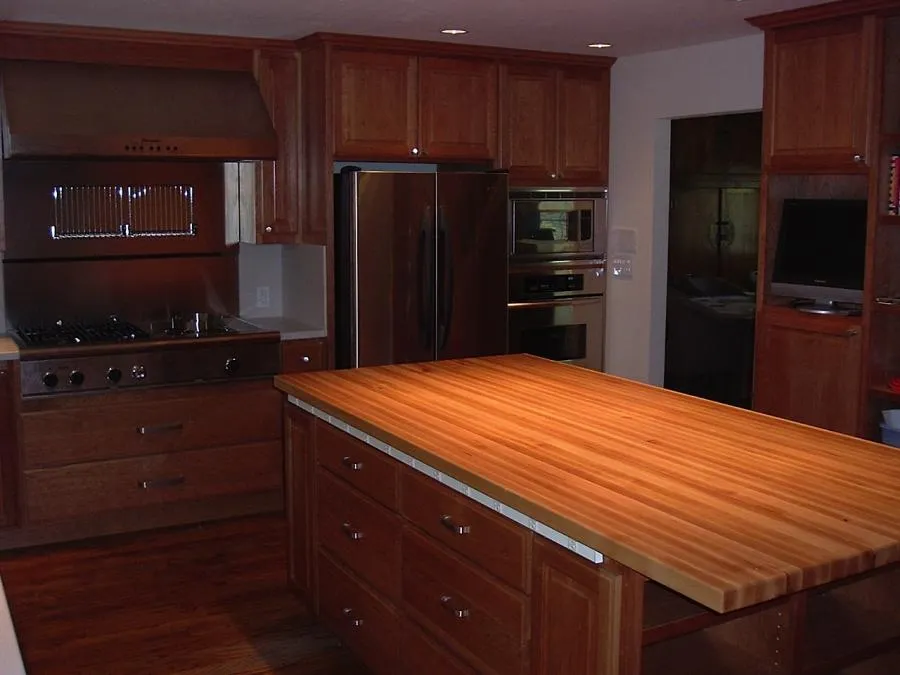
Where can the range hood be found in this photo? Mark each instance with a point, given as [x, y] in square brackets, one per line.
[52, 109]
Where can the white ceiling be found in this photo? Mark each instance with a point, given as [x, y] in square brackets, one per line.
[633, 26]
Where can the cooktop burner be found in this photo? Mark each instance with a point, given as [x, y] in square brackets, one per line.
[64, 333]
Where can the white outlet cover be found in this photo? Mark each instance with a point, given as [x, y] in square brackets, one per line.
[262, 296]
[622, 267]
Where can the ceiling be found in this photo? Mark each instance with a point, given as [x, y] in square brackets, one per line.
[632, 26]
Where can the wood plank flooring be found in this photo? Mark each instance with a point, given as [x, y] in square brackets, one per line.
[198, 600]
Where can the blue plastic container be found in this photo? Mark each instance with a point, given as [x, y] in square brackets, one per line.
[890, 435]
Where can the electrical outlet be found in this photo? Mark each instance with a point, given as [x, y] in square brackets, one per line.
[621, 266]
[262, 296]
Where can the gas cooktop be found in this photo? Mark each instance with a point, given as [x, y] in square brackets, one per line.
[62, 333]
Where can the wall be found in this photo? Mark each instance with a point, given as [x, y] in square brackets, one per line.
[259, 266]
[648, 91]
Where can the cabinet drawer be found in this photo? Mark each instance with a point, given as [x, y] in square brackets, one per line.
[128, 424]
[367, 469]
[496, 544]
[482, 617]
[97, 487]
[421, 654]
[362, 620]
[361, 534]
[298, 356]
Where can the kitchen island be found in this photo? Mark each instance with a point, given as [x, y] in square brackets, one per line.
[514, 515]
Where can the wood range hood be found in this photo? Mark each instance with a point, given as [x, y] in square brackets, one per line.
[54, 109]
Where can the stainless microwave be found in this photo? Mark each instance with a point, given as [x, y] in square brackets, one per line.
[557, 223]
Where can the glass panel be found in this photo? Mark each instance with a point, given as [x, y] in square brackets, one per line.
[553, 226]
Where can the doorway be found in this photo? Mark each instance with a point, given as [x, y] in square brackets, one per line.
[713, 224]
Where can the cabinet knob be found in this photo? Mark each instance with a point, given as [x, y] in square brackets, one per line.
[268, 228]
[858, 158]
[305, 359]
[553, 176]
[415, 151]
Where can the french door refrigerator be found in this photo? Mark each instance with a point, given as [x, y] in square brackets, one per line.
[420, 266]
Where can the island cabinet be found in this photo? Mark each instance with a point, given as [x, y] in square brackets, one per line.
[556, 125]
[403, 106]
[818, 94]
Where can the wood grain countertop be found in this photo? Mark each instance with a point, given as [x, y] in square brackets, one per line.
[9, 351]
[726, 506]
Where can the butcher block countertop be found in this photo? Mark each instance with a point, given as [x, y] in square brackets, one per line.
[726, 506]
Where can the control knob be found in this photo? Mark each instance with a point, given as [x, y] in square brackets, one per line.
[232, 365]
[50, 379]
[138, 372]
[76, 378]
[114, 375]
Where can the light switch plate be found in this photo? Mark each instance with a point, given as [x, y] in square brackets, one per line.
[621, 266]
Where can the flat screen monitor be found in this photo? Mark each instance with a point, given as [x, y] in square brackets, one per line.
[821, 250]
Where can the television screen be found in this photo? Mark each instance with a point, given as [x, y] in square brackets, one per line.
[821, 249]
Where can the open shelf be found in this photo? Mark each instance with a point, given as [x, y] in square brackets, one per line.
[668, 614]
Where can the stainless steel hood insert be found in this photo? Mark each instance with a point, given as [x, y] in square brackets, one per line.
[52, 109]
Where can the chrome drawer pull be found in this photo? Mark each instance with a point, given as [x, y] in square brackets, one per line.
[354, 621]
[350, 464]
[161, 482]
[458, 612]
[352, 532]
[160, 428]
[448, 522]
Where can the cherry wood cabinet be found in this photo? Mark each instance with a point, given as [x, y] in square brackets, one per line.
[401, 106]
[298, 469]
[808, 368]
[556, 125]
[8, 440]
[818, 95]
[304, 355]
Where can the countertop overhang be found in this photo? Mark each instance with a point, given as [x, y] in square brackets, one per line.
[726, 506]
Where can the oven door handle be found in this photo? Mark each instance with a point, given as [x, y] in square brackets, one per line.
[555, 303]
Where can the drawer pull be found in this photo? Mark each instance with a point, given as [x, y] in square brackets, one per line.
[161, 482]
[356, 622]
[160, 428]
[448, 522]
[352, 532]
[350, 464]
[457, 612]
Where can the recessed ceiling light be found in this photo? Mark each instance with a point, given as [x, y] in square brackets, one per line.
[599, 45]
[454, 31]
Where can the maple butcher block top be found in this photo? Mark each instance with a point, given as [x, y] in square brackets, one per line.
[726, 506]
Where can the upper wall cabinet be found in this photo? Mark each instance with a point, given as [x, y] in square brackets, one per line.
[818, 95]
[399, 106]
[556, 125]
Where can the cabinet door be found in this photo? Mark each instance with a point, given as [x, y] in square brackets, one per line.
[300, 356]
[375, 106]
[458, 108]
[530, 126]
[8, 444]
[299, 429]
[583, 126]
[278, 182]
[810, 374]
[575, 614]
[818, 95]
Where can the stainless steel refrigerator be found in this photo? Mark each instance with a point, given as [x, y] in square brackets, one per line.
[420, 266]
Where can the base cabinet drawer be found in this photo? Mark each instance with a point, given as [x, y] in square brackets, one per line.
[92, 488]
[478, 615]
[366, 623]
[421, 654]
[360, 534]
[368, 470]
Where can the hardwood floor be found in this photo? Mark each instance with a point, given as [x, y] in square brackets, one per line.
[198, 600]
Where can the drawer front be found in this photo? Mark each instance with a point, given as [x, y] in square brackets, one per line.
[421, 654]
[361, 534]
[132, 424]
[484, 619]
[96, 487]
[299, 356]
[361, 619]
[500, 546]
[370, 471]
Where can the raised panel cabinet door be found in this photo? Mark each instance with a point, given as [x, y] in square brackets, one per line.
[278, 182]
[576, 607]
[810, 376]
[375, 105]
[818, 84]
[584, 126]
[299, 430]
[530, 116]
[458, 108]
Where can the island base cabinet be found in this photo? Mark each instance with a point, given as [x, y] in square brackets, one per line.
[299, 458]
[422, 654]
[575, 614]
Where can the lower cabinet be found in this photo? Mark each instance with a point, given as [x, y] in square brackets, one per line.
[416, 578]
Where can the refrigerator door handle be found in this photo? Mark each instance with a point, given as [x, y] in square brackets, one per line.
[445, 281]
[426, 282]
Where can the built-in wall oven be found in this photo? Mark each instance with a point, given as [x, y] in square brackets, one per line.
[556, 223]
[557, 311]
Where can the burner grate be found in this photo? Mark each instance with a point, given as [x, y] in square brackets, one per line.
[63, 333]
